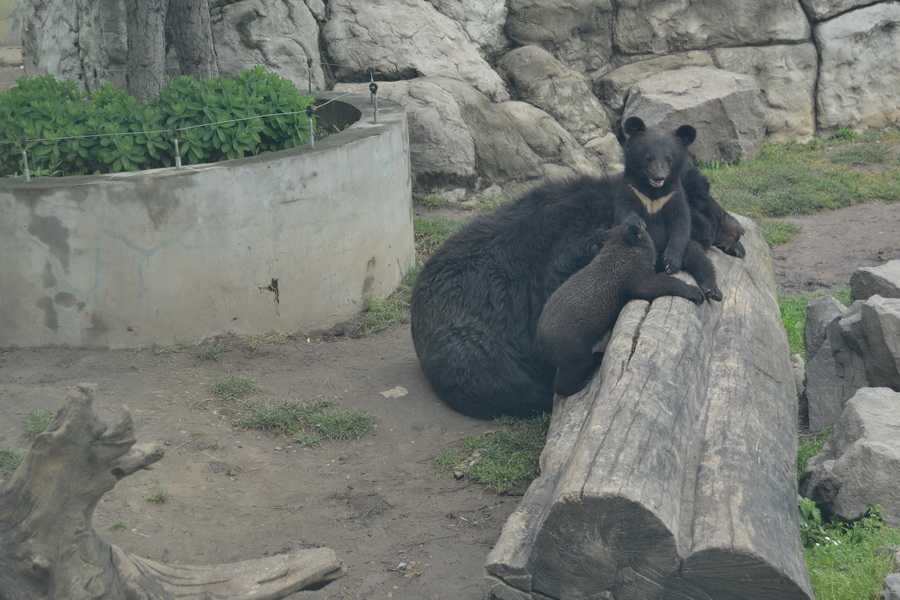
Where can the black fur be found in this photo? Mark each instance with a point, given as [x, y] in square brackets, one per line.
[655, 161]
[711, 225]
[585, 307]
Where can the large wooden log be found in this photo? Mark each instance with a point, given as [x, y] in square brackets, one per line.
[49, 549]
[671, 476]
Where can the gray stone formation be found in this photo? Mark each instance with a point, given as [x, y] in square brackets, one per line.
[853, 347]
[510, 91]
[860, 464]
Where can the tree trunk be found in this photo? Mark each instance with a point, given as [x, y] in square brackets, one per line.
[146, 47]
[49, 549]
[189, 29]
[671, 477]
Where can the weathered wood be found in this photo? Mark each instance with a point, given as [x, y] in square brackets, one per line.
[671, 476]
[49, 549]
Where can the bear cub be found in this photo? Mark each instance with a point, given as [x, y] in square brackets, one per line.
[652, 190]
[584, 308]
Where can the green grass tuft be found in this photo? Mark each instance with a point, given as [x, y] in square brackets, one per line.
[504, 460]
[873, 153]
[234, 388]
[309, 423]
[777, 233]
[118, 526]
[159, 497]
[10, 460]
[433, 201]
[848, 561]
[431, 232]
[793, 315]
[212, 352]
[37, 421]
[795, 179]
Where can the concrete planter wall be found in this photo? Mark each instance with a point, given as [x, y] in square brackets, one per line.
[177, 255]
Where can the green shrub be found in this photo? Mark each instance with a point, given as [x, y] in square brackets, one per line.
[43, 107]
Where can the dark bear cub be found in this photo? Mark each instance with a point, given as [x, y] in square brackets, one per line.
[584, 308]
[711, 225]
[652, 190]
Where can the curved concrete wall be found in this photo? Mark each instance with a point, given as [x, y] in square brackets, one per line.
[177, 255]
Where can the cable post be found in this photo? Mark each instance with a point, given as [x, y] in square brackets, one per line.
[25, 164]
[177, 153]
[310, 112]
[373, 90]
[309, 64]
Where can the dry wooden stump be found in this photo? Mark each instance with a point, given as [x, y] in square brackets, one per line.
[49, 549]
[671, 476]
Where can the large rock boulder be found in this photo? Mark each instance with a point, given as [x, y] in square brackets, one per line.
[860, 74]
[880, 343]
[402, 39]
[441, 146]
[280, 34]
[613, 87]
[483, 20]
[883, 280]
[540, 79]
[820, 313]
[891, 589]
[786, 75]
[577, 32]
[726, 108]
[860, 464]
[662, 26]
[820, 10]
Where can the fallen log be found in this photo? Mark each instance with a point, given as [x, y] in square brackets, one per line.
[49, 549]
[672, 475]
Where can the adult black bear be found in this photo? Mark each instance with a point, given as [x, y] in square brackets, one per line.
[711, 225]
[655, 161]
[585, 307]
[476, 302]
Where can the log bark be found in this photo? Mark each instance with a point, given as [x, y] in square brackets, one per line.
[671, 476]
[49, 549]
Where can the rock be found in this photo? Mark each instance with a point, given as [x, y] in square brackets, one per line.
[280, 34]
[880, 345]
[577, 32]
[726, 108]
[860, 464]
[404, 38]
[540, 79]
[859, 75]
[787, 77]
[442, 149]
[891, 589]
[613, 87]
[820, 10]
[663, 26]
[483, 20]
[798, 366]
[455, 196]
[883, 280]
[819, 315]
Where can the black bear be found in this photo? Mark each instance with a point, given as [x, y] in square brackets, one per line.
[711, 225]
[585, 307]
[476, 303]
[654, 163]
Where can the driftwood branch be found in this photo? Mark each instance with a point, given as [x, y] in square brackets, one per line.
[671, 476]
[48, 546]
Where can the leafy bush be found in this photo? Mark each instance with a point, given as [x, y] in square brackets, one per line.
[38, 108]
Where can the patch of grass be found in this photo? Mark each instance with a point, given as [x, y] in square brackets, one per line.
[37, 421]
[848, 561]
[793, 314]
[503, 460]
[10, 460]
[118, 526]
[384, 313]
[159, 497]
[777, 233]
[212, 352]
[874, 153]
[796, 179]
[433, 202]
[309, 422]
[234, 388]
[431, 232]
[809, 446]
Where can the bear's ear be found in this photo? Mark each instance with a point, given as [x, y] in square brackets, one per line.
[633, 125]
[686, 134]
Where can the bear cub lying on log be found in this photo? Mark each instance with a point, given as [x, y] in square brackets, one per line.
[654, 164]
[586, 306]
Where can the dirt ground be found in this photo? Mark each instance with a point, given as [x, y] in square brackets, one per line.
[403, 529]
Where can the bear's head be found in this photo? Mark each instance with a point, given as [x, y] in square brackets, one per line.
[654, 157]
[630, 236]
[721, 229]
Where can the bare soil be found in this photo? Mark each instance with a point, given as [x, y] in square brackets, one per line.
[403, 529]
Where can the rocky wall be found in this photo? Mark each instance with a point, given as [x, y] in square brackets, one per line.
[514, 90]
